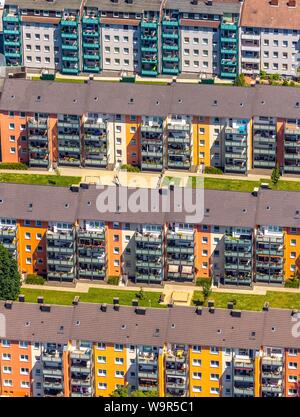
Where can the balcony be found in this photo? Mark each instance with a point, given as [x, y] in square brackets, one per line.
[148, 358]
[52, 356]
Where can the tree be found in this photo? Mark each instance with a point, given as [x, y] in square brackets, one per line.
[275, 174]
[120, 392]
[206, 290]
[139, 393]
[10, 280]
[240, 81]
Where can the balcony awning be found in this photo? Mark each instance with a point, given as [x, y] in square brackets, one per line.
[173, 268]
[187, 269]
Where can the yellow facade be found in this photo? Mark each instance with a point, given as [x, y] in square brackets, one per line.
[201, 141]
[110, 362]
[291, 252]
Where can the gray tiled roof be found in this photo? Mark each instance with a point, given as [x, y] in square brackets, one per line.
[223, 208]
[174, 325]
[139, 99]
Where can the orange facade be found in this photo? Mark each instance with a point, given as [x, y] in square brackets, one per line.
[292, 373]
[291, 252]
[32, 246]
[133, 139]
[15, 369]
[14, 144]
[114, 249]
[202, 252]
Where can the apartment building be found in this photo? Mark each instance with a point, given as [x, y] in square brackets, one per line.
[242, 239]
[269, 37]
[90, 350]
[175, 127]
[134, 36]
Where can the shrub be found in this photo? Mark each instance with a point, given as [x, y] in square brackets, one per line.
[200, 282]
[130, 168]
[10, 280]
[240, 81]
[263, 75]
[275, 174]
[113, 280]
[292, 283]
[33, 279]
[140, 295]
[13, 165]
[213, 170]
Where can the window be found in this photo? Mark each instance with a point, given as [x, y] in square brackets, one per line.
[197, 375]
[24, 371]
[292, 352]
[28, 248]
[24, 358]
[38, 236]
[197, 362]
[27, 235]
[214, 350]
[214, 377]
[119, 348]
[11, 126]
[214, 364]
[23, 345]
[197, 389]
[196, 348]
[102, 385]
[119, 361]
[101, 359]
[5, 343]
[101, 346]
[6, 356]
[7, 369]
[102, 372]
[119, 374]
[7, 383]
[292, 365]
[214, 390]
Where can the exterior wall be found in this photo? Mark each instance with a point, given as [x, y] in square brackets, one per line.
[112, 234]
[120, 47]
[37, 253]
[199, 50]
[202, 252]
[227, 373]
[15, 363]
[128, 249]
[292, 373]
[291, 252]
[206, 370]
[280, 141]
[14, 145]
[41, 45]
[110, 366]
[133, 140]
[217, 252]
[52, 137]
[216, 139]
[201, 138]
[36, 373]
[195, 367]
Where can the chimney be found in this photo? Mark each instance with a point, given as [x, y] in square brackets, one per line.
[140, 311]
[266, 306]
[40, 300]
[46, 308]
[21, 298]
[134, 303]
[8, 304]
[210, 303]
[76, 300]
[116, 300]
[236, 313]
[199, 311]
[103, 307]
[116, 307]
[230, 305]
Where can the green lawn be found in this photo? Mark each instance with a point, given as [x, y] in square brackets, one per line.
[232, 185]
[95, 295]
[252, 302]
[245, 185]
[60, 181]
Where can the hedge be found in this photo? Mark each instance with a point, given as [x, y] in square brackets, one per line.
[213, 170]
[13, 165]
[34, 280]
